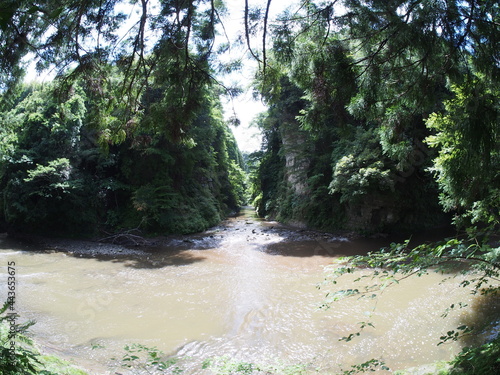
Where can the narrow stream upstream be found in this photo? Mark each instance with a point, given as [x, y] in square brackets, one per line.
[246, 289]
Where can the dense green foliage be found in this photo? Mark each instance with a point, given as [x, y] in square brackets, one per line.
[394, 110]
[56, 178]
[130, 134]
[484, 360]
[467, 135]
[366, 100]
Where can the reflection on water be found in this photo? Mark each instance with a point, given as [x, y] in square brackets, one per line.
[247, 289]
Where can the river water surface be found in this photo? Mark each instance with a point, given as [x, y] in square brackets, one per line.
[247, 290]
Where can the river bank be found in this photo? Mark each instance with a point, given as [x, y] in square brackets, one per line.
[137, 244]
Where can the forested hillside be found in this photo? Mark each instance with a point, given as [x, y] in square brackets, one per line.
[60, 177]
[128, 134]
[383, 115]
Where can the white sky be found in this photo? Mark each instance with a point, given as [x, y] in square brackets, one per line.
[248, 137]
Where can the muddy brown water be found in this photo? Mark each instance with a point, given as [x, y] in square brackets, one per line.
[247, 290]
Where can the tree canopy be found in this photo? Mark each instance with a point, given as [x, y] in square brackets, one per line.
[406, 94]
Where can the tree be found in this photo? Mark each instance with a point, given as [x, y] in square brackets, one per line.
[467, 166]
[40, 186]
[85, 40]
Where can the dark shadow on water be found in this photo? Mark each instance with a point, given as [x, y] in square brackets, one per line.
[305, 243]
[483, 314]
[309, 248]
[9, 243]
[176, 258]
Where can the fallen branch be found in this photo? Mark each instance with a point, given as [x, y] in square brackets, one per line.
[126, 238]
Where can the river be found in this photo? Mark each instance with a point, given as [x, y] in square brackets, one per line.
[247, 290]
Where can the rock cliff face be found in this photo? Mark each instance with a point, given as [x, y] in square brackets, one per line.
[372, 212]
[295, 146]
